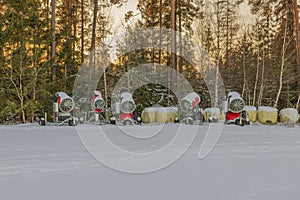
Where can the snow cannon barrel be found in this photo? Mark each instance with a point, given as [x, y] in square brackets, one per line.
[235, 103]
[127, 103]
[97, 102]
[189, 102]
[64, 102]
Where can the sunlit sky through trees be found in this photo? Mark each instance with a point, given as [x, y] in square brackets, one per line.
[118, 13]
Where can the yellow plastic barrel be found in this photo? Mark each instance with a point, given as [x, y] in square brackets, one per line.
[172, 113]
[251, 112]
[149, 115]
[267, 115]
[221, 116]
[161, 115]
[212, 112]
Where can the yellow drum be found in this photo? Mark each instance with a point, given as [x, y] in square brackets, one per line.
[251, 112]
[172, 113]
[149, 115]
[267, 115]
[161, 115]
[212, 113]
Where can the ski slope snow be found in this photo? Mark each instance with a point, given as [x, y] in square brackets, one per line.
[51, 163]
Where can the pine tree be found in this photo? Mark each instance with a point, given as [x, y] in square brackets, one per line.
[24, 56]
[286, 52]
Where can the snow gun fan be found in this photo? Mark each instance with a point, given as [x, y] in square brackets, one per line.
[236, 109]
[190, 107]
[63, 106]
[127, 107]
[236, 103]
[97, 104]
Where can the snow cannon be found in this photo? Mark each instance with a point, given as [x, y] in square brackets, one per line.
[63, 105]
[189, 102]
[97, 102]
[236, 109]
[127, 107]
[97, 105]
[190, 107]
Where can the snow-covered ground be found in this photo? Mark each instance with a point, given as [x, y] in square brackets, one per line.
[253, 162]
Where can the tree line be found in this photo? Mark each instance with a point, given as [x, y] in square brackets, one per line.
[44, 42]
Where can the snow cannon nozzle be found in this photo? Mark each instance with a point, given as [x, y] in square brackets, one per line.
[189, 102]
[97, 102]
[127, 103]
[65, 103]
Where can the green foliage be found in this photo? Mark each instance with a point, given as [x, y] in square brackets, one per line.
[251, 51]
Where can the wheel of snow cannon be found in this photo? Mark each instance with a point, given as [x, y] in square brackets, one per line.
[176, 120]
[240, 122]
[244, 114]
[81, 120]
[189, 120]
[244, 117]
[42, 122]
[113, 121]
[247, 122]
[139, 121]
[127, 122]
[71, 122]
[212, 120]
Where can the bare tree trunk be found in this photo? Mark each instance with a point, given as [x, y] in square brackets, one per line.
[297, 34]
[23, 112]
[152, 39]
[82, 31]
[160, 32]
[49, 25]
[180, 36]
[227, 44]
[244, 65]
[262, 84]
[256, 77]
[21, 75]
[75, 23]
[18, 88]
[22, 93]
[282, 66]
[173, 44]
[35, 79]
[53, 45]
[298, 103]
[288, 101]
[93, 42]
[249, 97]
[217, 83]
[105, 96]
[34, 98]
[218, 56]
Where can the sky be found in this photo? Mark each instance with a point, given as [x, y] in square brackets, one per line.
[119, 13]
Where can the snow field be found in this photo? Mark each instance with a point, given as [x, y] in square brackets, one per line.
[252, 162]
